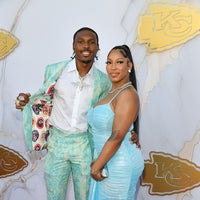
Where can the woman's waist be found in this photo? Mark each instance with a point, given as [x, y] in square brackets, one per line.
[126, 144]
[104, 135]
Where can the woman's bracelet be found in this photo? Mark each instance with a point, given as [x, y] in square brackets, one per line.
[103, 172]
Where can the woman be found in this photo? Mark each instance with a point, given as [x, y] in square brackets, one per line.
[118, 164]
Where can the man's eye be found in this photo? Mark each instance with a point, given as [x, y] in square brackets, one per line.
[92, 42]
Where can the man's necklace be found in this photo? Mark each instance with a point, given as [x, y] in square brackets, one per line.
[120, 88]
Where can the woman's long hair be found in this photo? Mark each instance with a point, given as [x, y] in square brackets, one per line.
[124, 49]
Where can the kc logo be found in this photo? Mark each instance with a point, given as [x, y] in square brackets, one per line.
[173, 23]
[8, 42]
[166, 174]
[167, 24]
[11, 162]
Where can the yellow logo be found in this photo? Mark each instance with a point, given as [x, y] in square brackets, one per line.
[166, 174]
[8, 42]
[167, 24]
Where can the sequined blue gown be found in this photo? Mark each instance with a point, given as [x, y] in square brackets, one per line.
[124, 168]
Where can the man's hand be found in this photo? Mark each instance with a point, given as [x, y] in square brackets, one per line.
[134, 139]
[22, 100]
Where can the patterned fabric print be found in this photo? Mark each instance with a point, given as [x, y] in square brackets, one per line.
[67, 153]
[41, 110]
[40, 127]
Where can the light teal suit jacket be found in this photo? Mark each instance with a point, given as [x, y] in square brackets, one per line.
[101, 86]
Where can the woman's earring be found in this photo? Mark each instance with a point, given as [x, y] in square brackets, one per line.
[129, 71]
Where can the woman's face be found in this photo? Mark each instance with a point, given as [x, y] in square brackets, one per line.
[117, 66]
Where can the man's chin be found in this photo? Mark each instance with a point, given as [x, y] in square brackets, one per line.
[86, 61]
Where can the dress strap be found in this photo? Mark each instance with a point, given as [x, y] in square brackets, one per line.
[119, 91]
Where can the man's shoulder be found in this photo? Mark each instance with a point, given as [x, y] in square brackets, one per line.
[59, 63]
[56, 67]
[100, 72]
[102, 78]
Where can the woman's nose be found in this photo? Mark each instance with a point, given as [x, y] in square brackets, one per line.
[113, 65]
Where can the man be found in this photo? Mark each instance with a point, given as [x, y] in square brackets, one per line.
[78, 85]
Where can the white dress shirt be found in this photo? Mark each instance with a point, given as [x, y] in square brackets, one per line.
[72, 97]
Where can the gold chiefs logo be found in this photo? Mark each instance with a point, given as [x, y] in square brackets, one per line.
[11, 162]
[8, 42]
[166, 174]
[166, 24]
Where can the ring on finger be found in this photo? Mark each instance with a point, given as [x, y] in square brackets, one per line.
[21, 98]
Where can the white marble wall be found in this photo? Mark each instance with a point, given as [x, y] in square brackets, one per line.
[168, 81]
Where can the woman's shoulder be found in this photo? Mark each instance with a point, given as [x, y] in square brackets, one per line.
[128, 95]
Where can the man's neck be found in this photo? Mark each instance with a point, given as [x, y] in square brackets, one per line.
[83, 68]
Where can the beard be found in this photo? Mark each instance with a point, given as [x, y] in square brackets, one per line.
[86, 61]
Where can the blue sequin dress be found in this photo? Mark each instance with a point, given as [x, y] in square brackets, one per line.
[124, 168]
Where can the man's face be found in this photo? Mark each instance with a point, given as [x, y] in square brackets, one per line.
[85, 46]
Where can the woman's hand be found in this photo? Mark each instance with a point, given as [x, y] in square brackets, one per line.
[95, 173]
[21, 100]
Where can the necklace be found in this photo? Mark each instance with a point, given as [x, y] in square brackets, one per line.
[120, 88]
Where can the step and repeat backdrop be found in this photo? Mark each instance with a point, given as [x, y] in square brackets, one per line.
[164, 39]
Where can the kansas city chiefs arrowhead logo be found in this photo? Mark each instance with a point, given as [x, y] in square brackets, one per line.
[11, 162]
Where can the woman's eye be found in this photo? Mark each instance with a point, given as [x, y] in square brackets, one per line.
[108, 62]
[120, 62]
